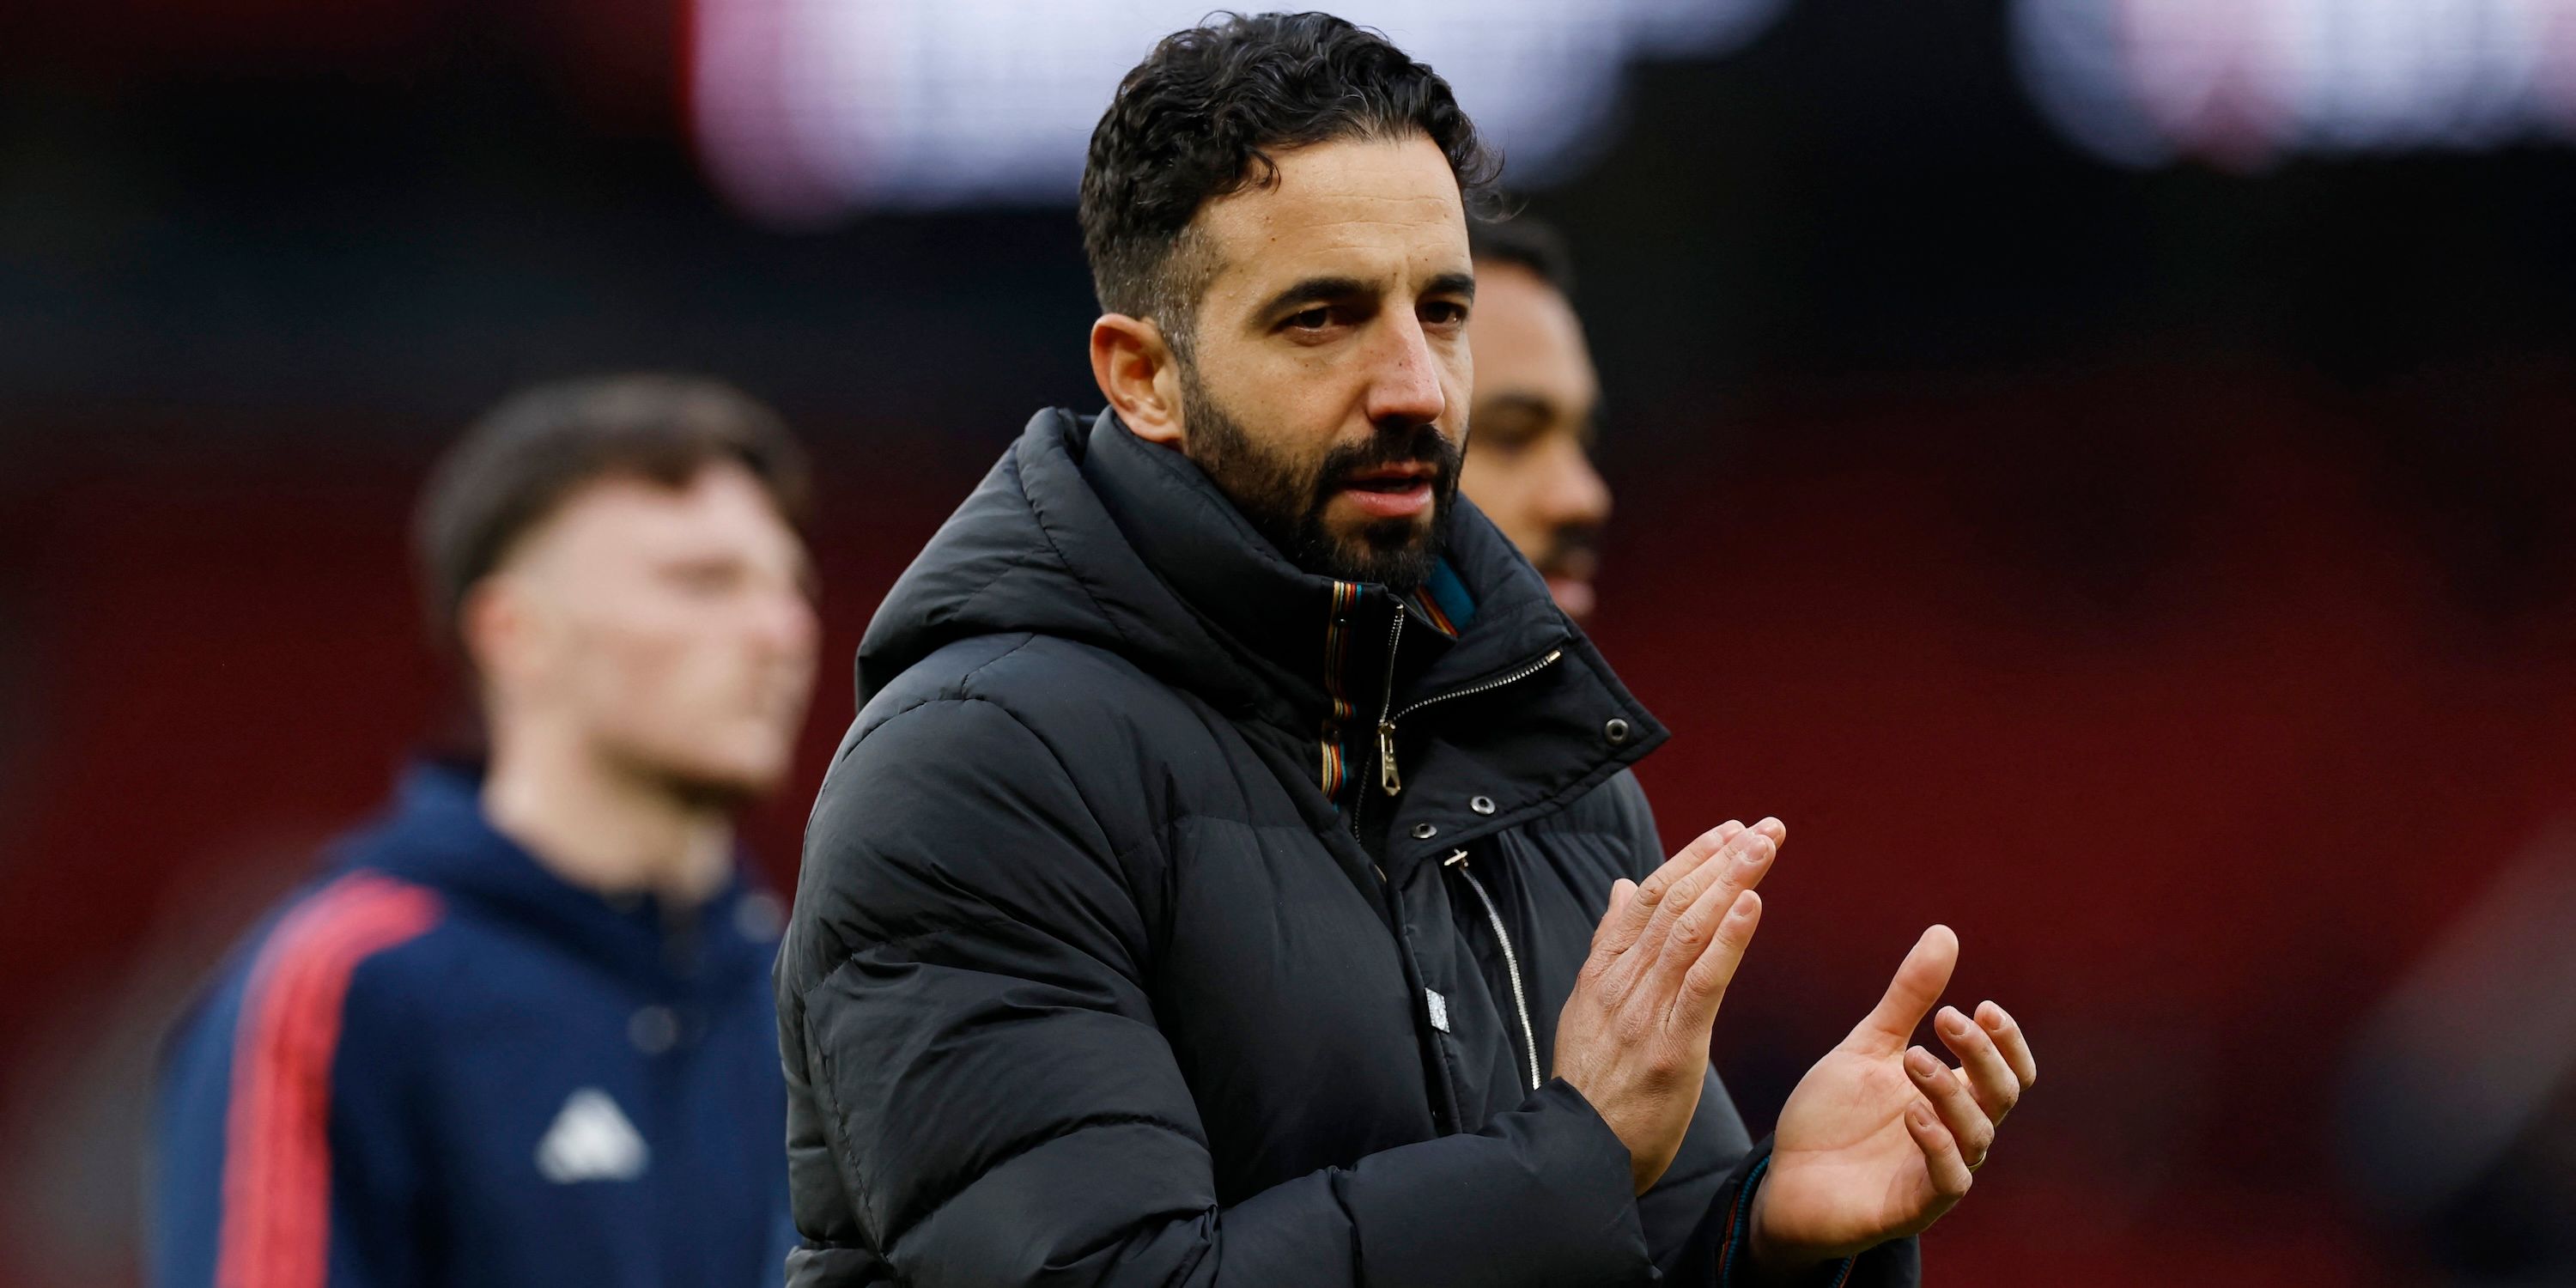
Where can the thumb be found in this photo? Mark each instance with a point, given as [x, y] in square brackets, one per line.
[1918, 984]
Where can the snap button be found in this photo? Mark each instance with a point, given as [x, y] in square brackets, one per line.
[1424, 831]
[1482, 804]
[1616, 730]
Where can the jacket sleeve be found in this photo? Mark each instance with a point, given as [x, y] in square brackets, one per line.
[1696, 1218]
[1002, 1109]
[284, 1155]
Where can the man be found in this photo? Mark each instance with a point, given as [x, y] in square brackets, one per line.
[519, 1032]
[1234, 837]
[1536, 395]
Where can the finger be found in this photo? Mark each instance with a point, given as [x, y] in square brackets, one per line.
[1624, 928]
[1684, 884]
[1703, 986]
[1918, 984]
[1735, 868]
[1949, 1173]
[1970, 1129]
[2009, 1040]
[1981, 1066]
[1621, 891]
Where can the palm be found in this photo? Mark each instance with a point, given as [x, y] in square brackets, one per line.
[1866, 1150]
[1845, 1173]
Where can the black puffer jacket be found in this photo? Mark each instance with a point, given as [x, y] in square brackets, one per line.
[1092, 981]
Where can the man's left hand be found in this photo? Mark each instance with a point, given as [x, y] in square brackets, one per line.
[1880, 1139]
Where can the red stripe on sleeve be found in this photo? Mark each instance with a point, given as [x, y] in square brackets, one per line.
[277, 1154]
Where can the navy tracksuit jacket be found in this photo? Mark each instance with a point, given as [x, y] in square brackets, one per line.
[441, 1065]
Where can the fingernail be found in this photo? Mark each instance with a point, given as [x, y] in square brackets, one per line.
[1920, 1063]
[1921, 1114]
[1953, 1023]
[1992, 1015]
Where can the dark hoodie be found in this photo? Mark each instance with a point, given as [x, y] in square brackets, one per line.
[440, 1064]
[1122, 954]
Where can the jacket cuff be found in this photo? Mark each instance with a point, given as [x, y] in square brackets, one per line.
[1546, 1196]
[1734, 1243]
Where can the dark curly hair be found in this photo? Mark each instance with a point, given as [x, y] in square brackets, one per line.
[1198, 118]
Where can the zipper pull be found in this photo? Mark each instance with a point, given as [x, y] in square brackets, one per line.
[1387, 779]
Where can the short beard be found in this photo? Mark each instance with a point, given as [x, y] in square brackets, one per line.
[1286, 504]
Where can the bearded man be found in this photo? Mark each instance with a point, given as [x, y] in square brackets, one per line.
[1233, 874]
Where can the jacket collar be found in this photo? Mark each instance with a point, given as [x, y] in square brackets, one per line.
[1283, 617]
[1083, 532]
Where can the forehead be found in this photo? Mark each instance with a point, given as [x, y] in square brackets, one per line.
[722, 506]
[1374, 209]
[1527, 340]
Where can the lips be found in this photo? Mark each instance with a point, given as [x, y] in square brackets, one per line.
[1397, 491]
[1569, 569]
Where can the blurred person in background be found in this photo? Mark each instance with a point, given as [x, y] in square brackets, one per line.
[1530, 471]
[1234, 872]
[518, 1032]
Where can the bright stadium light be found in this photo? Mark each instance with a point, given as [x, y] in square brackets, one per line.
[2240, 82]
[806, 109]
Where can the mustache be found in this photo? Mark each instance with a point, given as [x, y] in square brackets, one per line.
[1574, 549]
[1422, 444]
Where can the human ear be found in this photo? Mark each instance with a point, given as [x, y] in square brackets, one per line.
[501, 632]
[1139, 375]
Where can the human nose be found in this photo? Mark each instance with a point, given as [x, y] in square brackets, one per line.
[785, 623]
[1575, 494]
[1406, 383]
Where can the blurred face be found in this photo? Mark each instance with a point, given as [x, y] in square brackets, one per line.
[1531, 472]
[1326, 394]
[670, 631]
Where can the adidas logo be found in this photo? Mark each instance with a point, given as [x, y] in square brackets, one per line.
[591, 1141]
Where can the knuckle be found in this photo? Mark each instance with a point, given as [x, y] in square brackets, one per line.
[1634, 1025]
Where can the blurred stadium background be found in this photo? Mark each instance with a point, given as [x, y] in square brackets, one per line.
[2100, 469]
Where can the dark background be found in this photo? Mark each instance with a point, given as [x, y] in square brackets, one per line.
[2162, 577]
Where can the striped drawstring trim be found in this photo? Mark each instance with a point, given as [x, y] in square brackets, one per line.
[1335, 768]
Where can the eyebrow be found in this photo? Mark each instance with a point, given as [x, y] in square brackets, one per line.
[1453, 284]
[1313, 290]
[1516, 402]
[1324, 290]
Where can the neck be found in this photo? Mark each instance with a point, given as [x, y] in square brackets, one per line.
[602, 827]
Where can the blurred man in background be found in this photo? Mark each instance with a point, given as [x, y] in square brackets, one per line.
[519, 1032]
[1536, 396]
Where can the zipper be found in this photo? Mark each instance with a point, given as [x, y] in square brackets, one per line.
[1387, 779]
[1511, 960]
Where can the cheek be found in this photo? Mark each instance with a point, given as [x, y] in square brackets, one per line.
[638, 675]
[1501, 488]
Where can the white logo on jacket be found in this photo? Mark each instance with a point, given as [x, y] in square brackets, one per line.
[591, 1141]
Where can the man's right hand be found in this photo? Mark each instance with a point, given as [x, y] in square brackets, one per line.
[1633, 1037]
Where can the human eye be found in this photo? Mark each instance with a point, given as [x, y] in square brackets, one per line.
[1313, 320]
